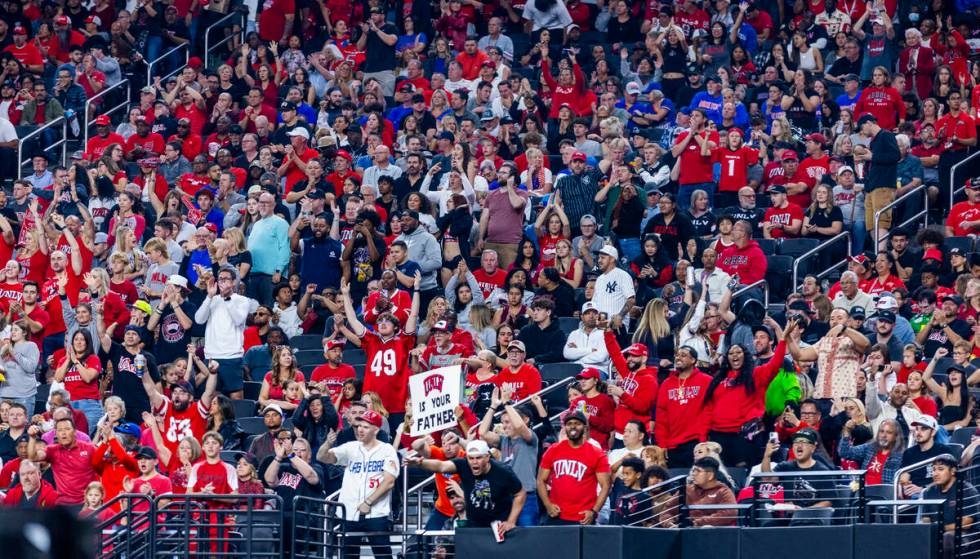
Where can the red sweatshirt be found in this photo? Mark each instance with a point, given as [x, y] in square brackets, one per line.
[112, 472]
[47, 499]
[682, 413]
[732, 406]
[561, 94]
[749, 262]
[600, 408]
[640, 386]
[885, 103]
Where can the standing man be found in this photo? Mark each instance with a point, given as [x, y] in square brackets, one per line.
[682, 421]
[502, 219]
[957, 132]
[576, 190]
[424, 250]
[224, 312]
[269, 244]
[694, 148]
[614, 292]
[370, 470]
[881, 173]
[579, 471]
[70, 459]
[378, 39]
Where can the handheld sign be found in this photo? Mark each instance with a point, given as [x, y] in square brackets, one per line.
[435, 395]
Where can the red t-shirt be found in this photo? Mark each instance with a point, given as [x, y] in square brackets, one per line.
[96, 145]
[72, 469]
[574, 480]
[387, 368]
[548, 250]
[191, 183]
[876, 468]
[76, 386]
[294, 174]
[10, 292]
[276, 391]
[152, 143]
[960, 212]
[34, 267]
[194, 114]
[333, 377]
[734, 166]
[525, 381]
[83, 250]
[489, 282]
[221, 476]
[875, 286]
[28, 55]
[272, 18]
[190, 147]
[696, 168]
[433, 357]
[784, 216]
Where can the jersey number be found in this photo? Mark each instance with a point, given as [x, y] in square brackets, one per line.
[731, 167]
[384, 363]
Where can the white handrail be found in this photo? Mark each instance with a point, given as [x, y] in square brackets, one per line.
[208, 47]
[897, 486]
[924, 213]
[88, 104]
[953, 190]
[63, 142]
[816, 249]
[153, 63]
[746, 288]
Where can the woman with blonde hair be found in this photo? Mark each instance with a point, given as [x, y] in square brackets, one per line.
[284, 370]
[654, 331]
[136, 261]
[437, 306]
[481, 325]
[115, 413]
[238, 254]
[569, 268]
[711, 449]
[373, 402]
[822, 306]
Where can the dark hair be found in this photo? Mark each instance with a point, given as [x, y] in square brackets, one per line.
[708, 463]
[743, 378]
[658, 472]
[521, 259]
[635, 463]
[88, 342]
[812, 402]
[227, 411]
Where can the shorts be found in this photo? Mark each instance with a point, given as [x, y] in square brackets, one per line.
[453, 262]
[230, 375]
[874, 201]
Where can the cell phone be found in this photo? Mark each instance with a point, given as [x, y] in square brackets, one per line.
[773, 437]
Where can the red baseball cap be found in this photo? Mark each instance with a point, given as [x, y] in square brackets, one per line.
[62, 20]
[579, 156]
[589, 372]
[345, 155]
[933, 254]
[790, 155]
[816, 137]
[20, 30]
[372, 417]
[639, 350]
[332, 343]
[861, 259]
[195, 62]
[102, 120]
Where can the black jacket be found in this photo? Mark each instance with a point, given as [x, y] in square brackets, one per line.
[315, 432]
[544, 346]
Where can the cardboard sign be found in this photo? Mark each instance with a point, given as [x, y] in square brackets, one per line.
[435, 395]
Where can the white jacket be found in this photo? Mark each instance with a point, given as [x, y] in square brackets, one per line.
[587, 349]
[224, 335]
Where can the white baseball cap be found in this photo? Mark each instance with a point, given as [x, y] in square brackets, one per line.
[300, 131]
[477, 448]
[610, 250]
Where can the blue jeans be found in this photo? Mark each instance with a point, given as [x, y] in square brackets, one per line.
[28, 403]
[631, 248]
[93, 412]
[859, 233]
[436, 520]
[530, 513]
[684, 192]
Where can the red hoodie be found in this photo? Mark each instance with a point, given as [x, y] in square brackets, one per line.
[682, 413]
[48, 497]
[640, 386]
[732, 406]
[113, 472]
[885, 103]
[562, 94]
[748, 262]
[601, 409]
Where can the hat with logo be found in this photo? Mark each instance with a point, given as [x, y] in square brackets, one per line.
[579, 156]
[638, 350]
[273, 407]
[933, 254]
[610, 250]
[816, 137]
[844, 169]
[589, 373]
[790, 155]
[142, 305]
[633, 88]
[927, 421]
[776, 189]
[518, 345]
[442, 326]
[146, 452]
[886, 316]
[299, 131]
[130, 429]
[102, 120]
[589, 306]
[372, 417]
[806, 434]
[477, 448]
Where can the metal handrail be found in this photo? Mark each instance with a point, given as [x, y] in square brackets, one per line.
[63, 142]
[208, 47]
[896, 485]
[953, 191]
[153, 63]
[745, 289]
[542, 392]
[924, 213]
[88, 104]
[815, 250]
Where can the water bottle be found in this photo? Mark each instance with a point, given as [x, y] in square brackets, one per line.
[70, 117]
[140, 363]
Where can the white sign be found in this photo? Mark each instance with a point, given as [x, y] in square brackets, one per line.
[435, 395]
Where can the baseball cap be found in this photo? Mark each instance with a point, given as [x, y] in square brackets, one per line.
[94, 19]
[131, 429]
[776, 189]
[377, 10]
[926, 421]
[151, 162]
[343, 153]
[858, 313]
[142, 305]
[477, 448]
[287, 106]
[843, 169]
[101, 238]
[973, 184]
[62, 20]
[575, 416]
[933, 254]
[406, 87]
[442, 326]
[610, 250]
[790, 155]
[277, 409]
[632, 88]
[638, 350]
[332, 343]
[20, 30]
[589, 306]
[373, 418]
[861, 259]
[518, 345]
[579, 156]
[886, 302]
[195, 62]
[886, 316]
[102, 120]
[956, 251]
[954, 298]
[589, 372]
[808, 435]
[446, 135]
[865, 118]
[185, 386]
[763, 328]
[146, 452]
[852, 78]
[300, 131]
[410, 213]
[816, 137]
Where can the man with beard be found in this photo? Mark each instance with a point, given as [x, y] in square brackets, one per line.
[31, 491]
[411, 179]
[743, 258]
[493, 492]
[175, 316]
[585, 344]
[387, 299]
[330, 376]
[635, 384]
[944, 328]
[103, 138]
[190, 142]
[319, 255]
[881, 457]
[924, 430]
[144, 142]
[341, 171]
[746, 210]
[578, 471]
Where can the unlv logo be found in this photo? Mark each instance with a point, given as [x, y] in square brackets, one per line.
[432, 384]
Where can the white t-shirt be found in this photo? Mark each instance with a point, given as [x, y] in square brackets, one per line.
[7, 131]
[612, 289]
[364, 470]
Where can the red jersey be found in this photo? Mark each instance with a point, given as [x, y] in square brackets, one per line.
[574, 476]
[220, 476]
[190, 147]
[387, 369]
[40, 316]
[191, 183]
[401, 305]
[10, 292]
[548, 243]
[96, 145]
[773, 173]
[114, 464]
[73, 471]
[76, 386]
[152, 143]
[178, 425]
[333, 377]
[524, 381]
[876, 286]
[734, 166]
[960, 126]
[52, 301]
[158, 485]
[293, 173]
[784, 216]
[489, 282]
[194, 114]
[272, 18]
[876, 468]
[83, 250]
[434, 357]
[693, 21]
[696, 168]
[961, 212]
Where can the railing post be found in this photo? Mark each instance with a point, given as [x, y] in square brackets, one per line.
[405, 509]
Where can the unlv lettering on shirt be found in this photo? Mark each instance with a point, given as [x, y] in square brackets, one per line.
[736, 260]
[572, 468]
[683, 393]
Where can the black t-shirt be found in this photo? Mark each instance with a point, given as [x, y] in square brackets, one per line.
[173, 338]
[948, 515]
[292, 483]
[678, 231]
[821, 219]
[938, 337]
[380, 56]
[913, 455]
[704, 225]
[126, 384]
[805, 492]
[798, 115]
[488, 497]
[8, 446]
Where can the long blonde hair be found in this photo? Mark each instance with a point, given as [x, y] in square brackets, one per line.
[653, 322]
[481, 317]
[376, 404]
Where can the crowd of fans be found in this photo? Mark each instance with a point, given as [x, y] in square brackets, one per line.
[501, 185]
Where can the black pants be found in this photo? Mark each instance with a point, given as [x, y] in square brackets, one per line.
[737, 452]
[682, 455]
[260, 287]
[380, 545]
[548, 521]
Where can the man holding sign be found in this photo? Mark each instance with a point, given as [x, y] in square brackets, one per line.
[387, 350]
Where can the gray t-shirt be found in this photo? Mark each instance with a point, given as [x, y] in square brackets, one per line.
[851, 204]
[522, 457]
[157, 274]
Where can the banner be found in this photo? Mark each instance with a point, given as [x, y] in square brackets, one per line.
[435, 395]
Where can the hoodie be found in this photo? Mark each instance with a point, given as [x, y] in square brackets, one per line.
[733, 406]
[749, 262]
[316, 431]
[682, 412]
[544, 346]
[640, 387]
[46, 498]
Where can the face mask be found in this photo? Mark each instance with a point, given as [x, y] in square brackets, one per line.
[914, 17]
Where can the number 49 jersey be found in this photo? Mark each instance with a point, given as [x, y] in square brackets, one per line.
[387, 368]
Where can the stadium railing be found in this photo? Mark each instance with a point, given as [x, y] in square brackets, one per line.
[230, 20]
[125, 532]
[921, 190]
[35, 136]
[797, 285]
[965, 536]
[153, 67]
[953, 189]
[789, 498]
[745, 289]
[116, 91]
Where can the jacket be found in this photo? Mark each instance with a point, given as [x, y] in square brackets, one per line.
[865, 453]
[544, 346]
[233, 434]
[589, 349]
[48, 496]
[749, 262]
[315, 432]
[719, 495]
[733, 406]
[52, 110]
[640, 386]
[682, 411]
